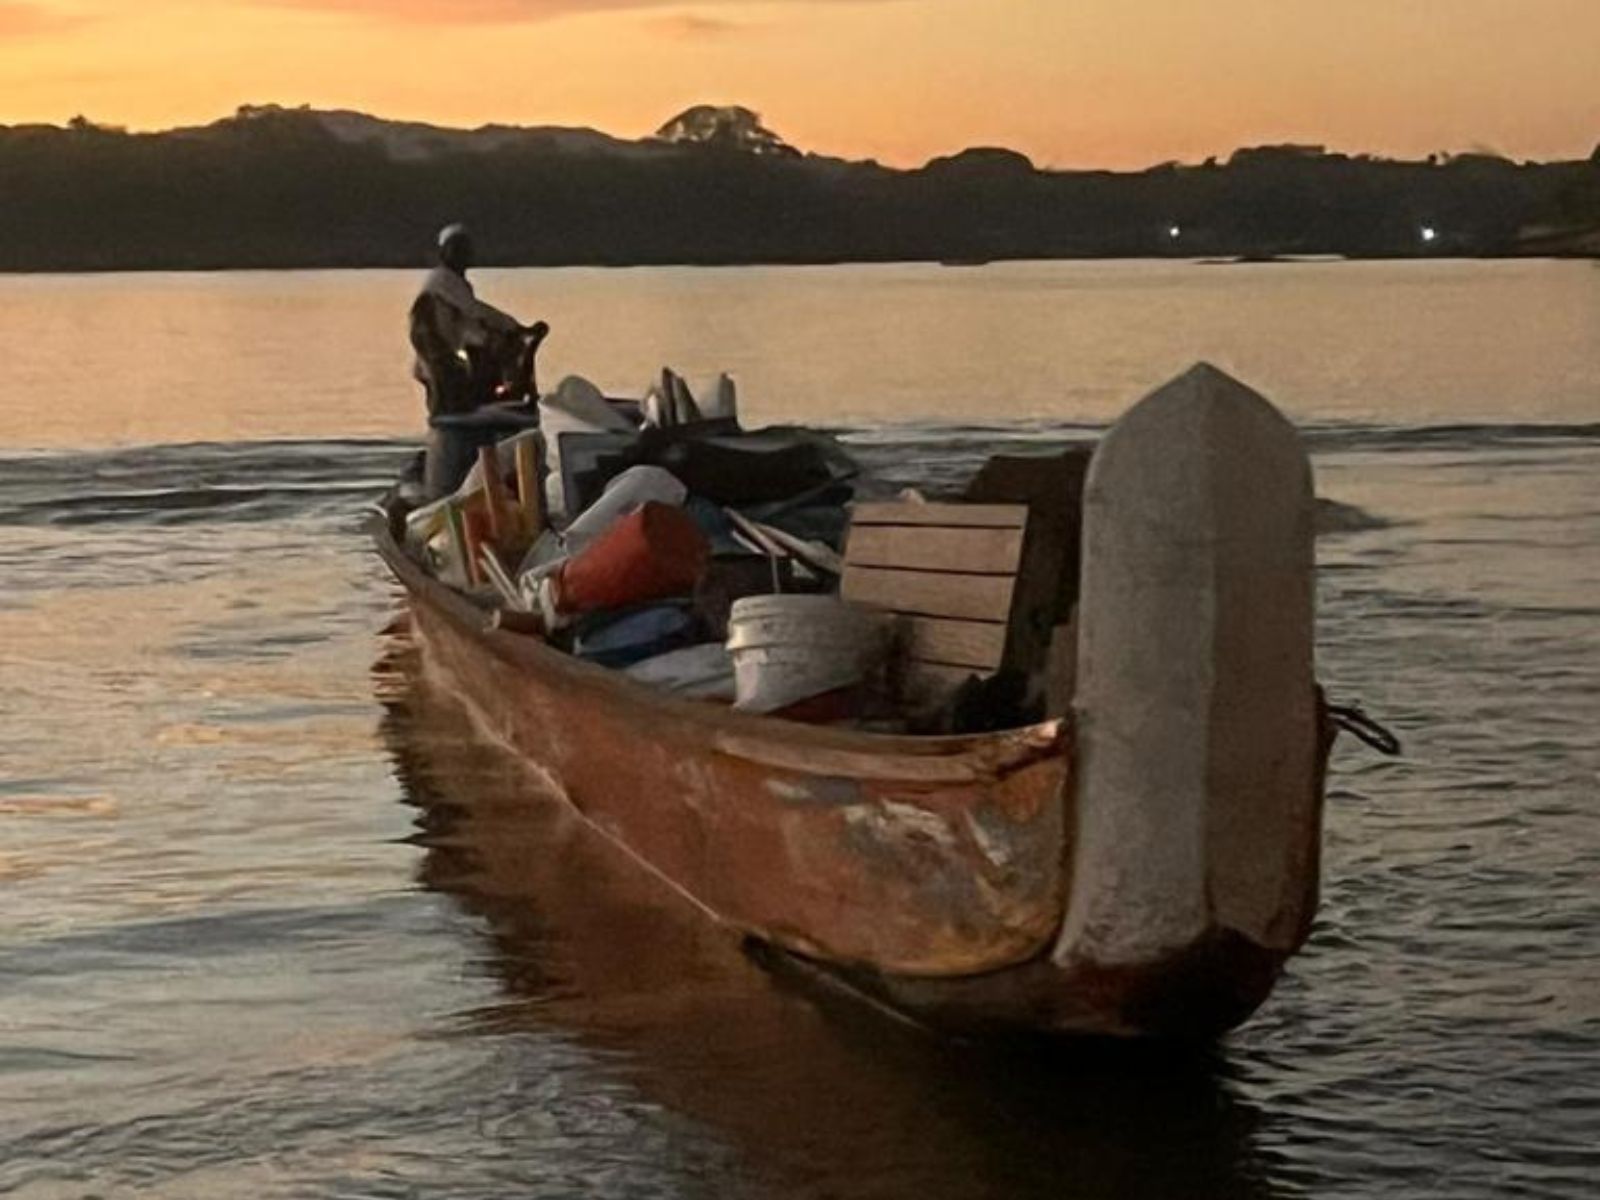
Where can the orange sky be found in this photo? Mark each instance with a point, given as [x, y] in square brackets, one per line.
[1070, 82]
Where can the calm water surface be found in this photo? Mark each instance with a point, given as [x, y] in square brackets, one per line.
[274, 923]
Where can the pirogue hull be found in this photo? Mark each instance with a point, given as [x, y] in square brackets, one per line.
[927, 873]
[1144, 869]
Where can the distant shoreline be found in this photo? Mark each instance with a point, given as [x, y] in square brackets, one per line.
[300, 189]
[423, 265]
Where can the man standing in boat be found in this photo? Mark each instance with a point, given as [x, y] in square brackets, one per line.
[457, 337]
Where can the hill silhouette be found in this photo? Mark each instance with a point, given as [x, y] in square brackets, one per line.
[281, 187]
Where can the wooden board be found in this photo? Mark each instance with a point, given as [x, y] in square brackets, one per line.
[978, 645]
[990, 516]
[964, 551]
[1035, 599]
[929, 594]
[1052, 488]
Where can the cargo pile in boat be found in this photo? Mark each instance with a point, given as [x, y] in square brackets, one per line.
[658, 537]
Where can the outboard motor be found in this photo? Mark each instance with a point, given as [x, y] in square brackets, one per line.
[504, 375]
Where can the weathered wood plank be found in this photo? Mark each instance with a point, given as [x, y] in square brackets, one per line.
[930, 594]
[530, 496]
[898, 512]
[967, 551]
[1052, 488]
[972, 644]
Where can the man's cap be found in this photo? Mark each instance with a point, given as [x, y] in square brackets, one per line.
[450, 233]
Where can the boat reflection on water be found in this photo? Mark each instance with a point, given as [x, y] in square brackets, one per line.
[816, 1092]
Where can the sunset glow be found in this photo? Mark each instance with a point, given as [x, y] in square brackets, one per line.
[1069, 82]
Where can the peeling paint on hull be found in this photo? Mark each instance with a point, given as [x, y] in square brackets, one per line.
[925, 857]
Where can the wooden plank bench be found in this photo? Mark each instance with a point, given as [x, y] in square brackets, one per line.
[974, 586]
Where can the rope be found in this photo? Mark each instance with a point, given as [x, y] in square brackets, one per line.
[1352, 719]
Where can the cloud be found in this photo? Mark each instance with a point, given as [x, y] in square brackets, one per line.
[694, 26]
[505, 12]
[19, 20]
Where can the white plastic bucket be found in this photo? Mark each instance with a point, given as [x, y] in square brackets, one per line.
[789, 648]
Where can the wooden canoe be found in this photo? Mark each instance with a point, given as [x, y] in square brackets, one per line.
[981, 881]
[920, 856]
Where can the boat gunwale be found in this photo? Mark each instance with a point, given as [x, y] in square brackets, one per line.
[938, 758]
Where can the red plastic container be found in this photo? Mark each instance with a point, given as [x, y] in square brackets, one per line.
[654, 552]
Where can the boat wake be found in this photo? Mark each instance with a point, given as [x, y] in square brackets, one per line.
[273, 480]
[185, 484]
